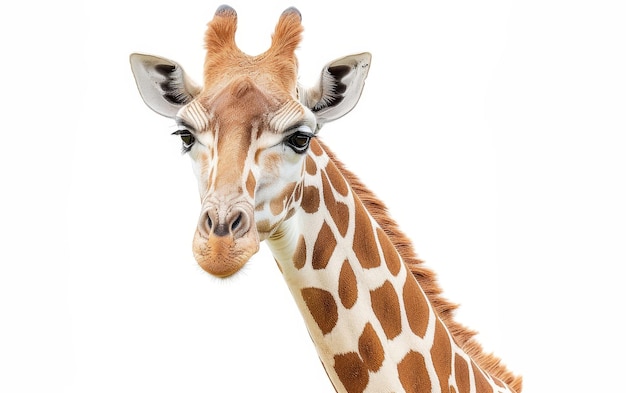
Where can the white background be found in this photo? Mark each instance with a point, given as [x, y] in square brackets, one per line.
[493, 130]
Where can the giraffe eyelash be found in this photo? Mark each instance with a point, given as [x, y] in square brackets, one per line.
[299, 141]
[186, 137]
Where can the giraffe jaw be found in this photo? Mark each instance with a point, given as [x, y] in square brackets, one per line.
[223, 256]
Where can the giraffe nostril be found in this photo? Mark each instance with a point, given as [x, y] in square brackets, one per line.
[231, 222]
[236, 223]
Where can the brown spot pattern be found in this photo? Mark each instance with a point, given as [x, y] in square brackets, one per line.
[250, 184]
[338, 211]
[413, 374]
[498, 382]
[299, 257]
[481, 382]
[386, 306]
[316, 148]
[348, 290]
[324, 247]
[336, 179]
[389, 252]
[298, 192]
[441, 353]
[273, 162]
[343, 218]
[371, 349]
[310, 199]
[416, 306]
[277, 204]
[290, 213]
[311, 166]
[461, 374]
[364, 243]
[351, 372]
[322, 306]
[264, 226]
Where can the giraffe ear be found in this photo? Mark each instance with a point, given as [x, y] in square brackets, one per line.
[162, 83]
[339, 89]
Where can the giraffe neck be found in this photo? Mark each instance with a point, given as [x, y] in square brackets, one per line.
[374, 328]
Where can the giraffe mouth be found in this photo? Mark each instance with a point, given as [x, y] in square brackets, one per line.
[223, 243]
[223, 256]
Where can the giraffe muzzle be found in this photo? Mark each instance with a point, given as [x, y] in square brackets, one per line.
[226, 238]
[235, 222]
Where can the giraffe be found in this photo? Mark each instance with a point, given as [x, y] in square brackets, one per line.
[373, 310]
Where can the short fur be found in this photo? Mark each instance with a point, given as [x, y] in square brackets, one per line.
[427, 280]
[279, 60]
[223, 54]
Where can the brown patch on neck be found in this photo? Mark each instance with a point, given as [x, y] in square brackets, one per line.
[426, 279]
[364, 243]
[371, 349]
[338, 210]
[299, 257]
[324, 247]
[441, 354]
[348, 288]
[310, 199]
[351, 372]
[386, 306]
[461, 373]
[414, 374]
[322, 306]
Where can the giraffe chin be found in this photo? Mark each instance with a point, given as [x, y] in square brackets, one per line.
[223, 256]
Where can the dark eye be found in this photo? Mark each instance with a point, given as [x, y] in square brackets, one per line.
[187, 137]
[299, 141]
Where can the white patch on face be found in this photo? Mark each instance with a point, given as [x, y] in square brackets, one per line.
[197, 116]
[203, 158]
[278, 167]
[286, 116]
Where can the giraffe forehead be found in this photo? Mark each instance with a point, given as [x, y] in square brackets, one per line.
[239, 105]
[195, 116]
[243, 105]
[290, 114]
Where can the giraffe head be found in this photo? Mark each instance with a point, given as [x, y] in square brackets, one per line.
[247, 130]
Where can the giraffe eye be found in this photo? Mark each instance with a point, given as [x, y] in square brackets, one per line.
[299, 141]
[187, 137]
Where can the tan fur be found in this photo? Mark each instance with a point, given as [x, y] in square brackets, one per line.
[258, 84]
[224, 58]
[427, 280]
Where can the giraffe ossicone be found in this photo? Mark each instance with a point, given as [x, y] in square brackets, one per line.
[373, 311]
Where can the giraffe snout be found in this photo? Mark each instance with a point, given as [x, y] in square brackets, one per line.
[226, 238]
[236, 222]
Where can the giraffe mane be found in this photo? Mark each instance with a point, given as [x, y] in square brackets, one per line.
[463, 336]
